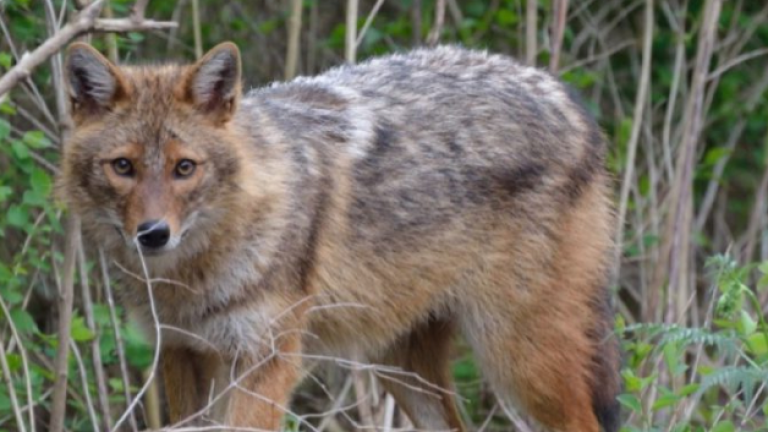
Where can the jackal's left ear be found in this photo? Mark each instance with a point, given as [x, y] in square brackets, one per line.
[95, 84]
[212, 84]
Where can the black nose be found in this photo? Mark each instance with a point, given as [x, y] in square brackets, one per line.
[154, 234]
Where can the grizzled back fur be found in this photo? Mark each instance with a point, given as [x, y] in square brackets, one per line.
[440, 191]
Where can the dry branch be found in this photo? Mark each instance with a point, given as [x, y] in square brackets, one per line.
[560, 12]
[118, 338]
[86, 21]
[58, 405]
[530, 31]
[350, 47]
[434, 35]
[677, 250]
[637, 122]
[197, 29]
[368, 22]
[294, 31]
[102, 392]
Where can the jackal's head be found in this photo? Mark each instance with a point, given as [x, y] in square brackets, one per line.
[153, 155]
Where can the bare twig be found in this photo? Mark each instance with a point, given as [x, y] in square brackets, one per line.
[350, 47]
[677, 249]
[150, 376]
[197, 29]
[84, 382]
[434, 35]
[737, 61]
[456, 15]
[153, 403]
[24, 361]
[118, 338]
[98, 368]
[111, 39]
[294, 31]
[368, 22]
[560, 12]
[361, 394]
[755, 93]
[416, 22]
[31, 87]
[58, 403]
[86, 21]
[314, 17]
[11, 389]
[531, 17]
[137, 14]
[640, 103]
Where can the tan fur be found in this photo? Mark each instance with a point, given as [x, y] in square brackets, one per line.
[370, 212]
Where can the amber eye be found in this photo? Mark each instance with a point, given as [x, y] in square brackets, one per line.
[123, 167]
[184, 168]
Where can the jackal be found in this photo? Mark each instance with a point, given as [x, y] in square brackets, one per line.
[372, 212]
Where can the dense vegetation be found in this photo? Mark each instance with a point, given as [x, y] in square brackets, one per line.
[679, 87]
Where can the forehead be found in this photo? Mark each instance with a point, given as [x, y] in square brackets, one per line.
[152, 116]
[152, 93]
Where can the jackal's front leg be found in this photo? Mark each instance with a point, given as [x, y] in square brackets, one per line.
[261, 387]
[187, 377]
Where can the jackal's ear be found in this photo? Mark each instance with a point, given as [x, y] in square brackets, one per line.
[94, 83]
[212, 84]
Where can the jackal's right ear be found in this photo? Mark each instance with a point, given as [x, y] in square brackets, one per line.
[94, 83]
[212, 84]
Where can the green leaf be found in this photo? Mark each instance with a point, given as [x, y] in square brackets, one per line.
[17, 216]
[41, 181]
[664, 401]
[7, 109]
[672, 357]
[14, 361]
[101, 315]
[36, 140]
[688, 390]
[135, 36]
[5, 129]
[20, 150]
[5, 192]
[757, 343]
[763, 267]
[34, 198]
[715, 155]
[763, 282]
[5, 60]
[625, 129]
[80, 332]
[12, 296]
[5, 273]
[23, 321]
[631, 402]
[116, 384]
[137, 350]
[747, 325]
[723, 426]
[631, 382]
[5, 401]
[465, 370]
[506, 17]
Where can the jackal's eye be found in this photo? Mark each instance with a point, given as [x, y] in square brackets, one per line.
[123, 167]
[184, 168]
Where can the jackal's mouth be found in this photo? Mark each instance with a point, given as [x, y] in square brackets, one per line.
[150, 252]
[153, 252]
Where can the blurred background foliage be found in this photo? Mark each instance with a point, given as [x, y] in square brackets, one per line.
[688, 149]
